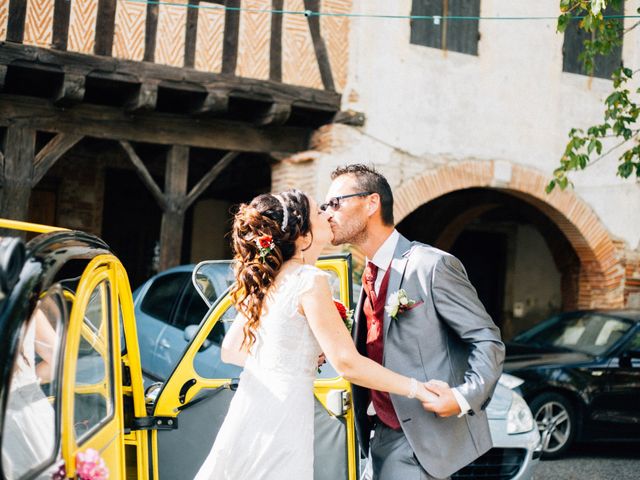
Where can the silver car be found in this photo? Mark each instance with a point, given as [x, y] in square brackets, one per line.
[516, 442]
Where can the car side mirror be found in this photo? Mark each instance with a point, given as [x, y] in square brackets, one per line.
[190, 333]
[627, 357]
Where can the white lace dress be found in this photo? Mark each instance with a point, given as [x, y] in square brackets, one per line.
[268, 431]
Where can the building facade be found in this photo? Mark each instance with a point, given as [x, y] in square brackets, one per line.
[144, 122]
[468, 120]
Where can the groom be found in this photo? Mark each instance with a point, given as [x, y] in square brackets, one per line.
[443, 336]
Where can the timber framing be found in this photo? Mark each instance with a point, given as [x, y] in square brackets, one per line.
[164, 129]
[24, 56]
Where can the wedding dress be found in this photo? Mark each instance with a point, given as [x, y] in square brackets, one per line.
[28, 436]
[268, 431]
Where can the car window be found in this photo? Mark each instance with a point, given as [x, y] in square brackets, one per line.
[29, 425]
[590, 333]
[191, 308]
[94, 377]
[634, 343]
[158, 301]
[212, 278]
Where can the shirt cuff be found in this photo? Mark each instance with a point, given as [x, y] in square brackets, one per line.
[462, 402]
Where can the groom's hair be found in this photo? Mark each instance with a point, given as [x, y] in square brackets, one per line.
[370, 180]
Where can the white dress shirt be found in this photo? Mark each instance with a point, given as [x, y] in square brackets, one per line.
[382, 259]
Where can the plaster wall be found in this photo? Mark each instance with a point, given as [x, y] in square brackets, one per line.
[512, 102]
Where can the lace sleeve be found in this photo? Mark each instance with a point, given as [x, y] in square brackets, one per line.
[308, 279]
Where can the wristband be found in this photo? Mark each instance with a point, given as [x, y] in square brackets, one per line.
[413, 388]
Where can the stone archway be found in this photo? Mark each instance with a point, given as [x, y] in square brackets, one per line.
[602, 275]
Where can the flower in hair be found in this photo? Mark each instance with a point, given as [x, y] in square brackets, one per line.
[265, 246]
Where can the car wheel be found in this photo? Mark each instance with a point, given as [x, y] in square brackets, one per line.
[555, 418]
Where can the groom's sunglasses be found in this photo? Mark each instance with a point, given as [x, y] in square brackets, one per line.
[334, 203]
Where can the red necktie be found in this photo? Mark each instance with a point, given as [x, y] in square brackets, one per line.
[369, 281]
[368, 284]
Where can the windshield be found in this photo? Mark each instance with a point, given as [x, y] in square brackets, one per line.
[590, 333]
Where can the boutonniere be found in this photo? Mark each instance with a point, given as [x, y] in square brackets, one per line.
[265, 245]
[399, 302]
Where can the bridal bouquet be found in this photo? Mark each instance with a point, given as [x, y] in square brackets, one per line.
[89, 466]
[346, 315]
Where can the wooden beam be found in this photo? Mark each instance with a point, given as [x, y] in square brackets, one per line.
[72, 90]
[61, 17]
[144, 175]
[319, 46]
[50, 153]
[19, 149]
[216, 102]
[105, 27]
[171, 228]
[152, 127]
[275, 53]
[210, 176]
[151, 32]
[145, 71]
[191, 34]
[277, 114]
[231, 37]
[16, 18]
[146, 99]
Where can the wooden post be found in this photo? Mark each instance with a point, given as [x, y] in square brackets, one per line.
[17, 171]
[175, 191]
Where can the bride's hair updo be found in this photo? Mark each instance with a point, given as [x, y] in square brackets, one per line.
[283, 217]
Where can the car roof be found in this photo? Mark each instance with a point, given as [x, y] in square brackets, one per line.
[627, 314]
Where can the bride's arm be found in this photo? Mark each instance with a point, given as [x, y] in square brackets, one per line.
[232, 350]
[340, 350]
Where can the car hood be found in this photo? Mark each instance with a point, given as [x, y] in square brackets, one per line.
[521, 356]
[500, 403]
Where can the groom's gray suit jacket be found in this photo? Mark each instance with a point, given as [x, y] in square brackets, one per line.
[449, 337]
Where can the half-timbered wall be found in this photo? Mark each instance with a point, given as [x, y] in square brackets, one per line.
[289, 48]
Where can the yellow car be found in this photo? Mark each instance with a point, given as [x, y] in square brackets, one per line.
[72, 398]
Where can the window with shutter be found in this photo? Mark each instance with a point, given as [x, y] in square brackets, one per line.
[458, 35]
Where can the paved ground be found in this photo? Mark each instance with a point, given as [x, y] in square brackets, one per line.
[594, 461]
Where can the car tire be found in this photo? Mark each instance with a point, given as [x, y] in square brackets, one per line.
[556, 419]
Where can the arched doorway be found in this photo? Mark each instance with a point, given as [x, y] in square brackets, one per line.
[528, 253]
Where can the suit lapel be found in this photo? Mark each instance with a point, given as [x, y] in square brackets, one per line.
[360, 327]
[398, 266]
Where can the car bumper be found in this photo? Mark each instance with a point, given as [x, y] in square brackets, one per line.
[513, 457]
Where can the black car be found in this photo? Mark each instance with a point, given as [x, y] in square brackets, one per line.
[581, 373]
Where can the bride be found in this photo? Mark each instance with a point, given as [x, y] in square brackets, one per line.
[287, 319]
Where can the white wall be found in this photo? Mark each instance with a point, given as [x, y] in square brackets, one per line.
[512, 102]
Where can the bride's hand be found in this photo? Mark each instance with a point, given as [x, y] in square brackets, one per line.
[424, 395]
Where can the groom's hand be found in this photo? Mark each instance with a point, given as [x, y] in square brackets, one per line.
[444, 403]
[322, 359]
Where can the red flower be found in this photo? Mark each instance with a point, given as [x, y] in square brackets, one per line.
[265, 241]
[342, 310]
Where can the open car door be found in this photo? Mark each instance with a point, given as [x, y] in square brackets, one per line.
[102, 390]
[192, 404]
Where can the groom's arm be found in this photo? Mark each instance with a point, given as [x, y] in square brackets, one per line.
[457, 304]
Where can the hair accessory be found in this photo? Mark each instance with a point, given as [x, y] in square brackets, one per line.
[265, 246]
[285, 213]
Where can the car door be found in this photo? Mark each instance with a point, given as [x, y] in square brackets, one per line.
[155, 306]
[194, 401]
[102, 378]
[623, 391]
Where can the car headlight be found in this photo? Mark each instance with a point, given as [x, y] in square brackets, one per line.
[519, 418]
[510, 381]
